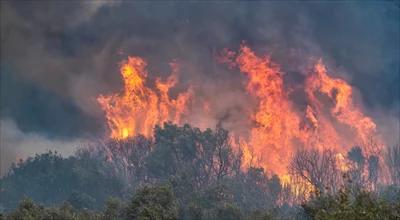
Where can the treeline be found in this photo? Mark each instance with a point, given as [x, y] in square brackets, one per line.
[159, 202]
[186, 173]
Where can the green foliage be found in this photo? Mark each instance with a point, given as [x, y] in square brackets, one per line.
[210, 203]
[390, 194]
[187, 152]
[200, 166]
[190, 160]
[204, 177]
[51, 179]
[261, 215]
[343, 206]
[228, 211]
[81, 201]
[114, 209]
[254, 190]
[153, 203]
[28, 210]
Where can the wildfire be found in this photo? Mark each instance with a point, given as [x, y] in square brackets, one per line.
[343, 110]
[276, 123]
[330, 119]
[138, 108]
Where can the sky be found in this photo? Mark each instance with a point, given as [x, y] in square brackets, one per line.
[58, 56]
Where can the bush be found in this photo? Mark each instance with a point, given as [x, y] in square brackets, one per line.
[364, 205]
[156, 203]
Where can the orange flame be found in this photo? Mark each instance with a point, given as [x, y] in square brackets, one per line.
[343, 109]
[139, 108]
[276, 124]
[331, 122]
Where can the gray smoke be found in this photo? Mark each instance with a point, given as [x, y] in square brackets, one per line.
[17, 145]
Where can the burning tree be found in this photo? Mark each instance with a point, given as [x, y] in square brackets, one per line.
[280, 128]
[331, 121]
[317, 169]
[138, 108]
[393, 163]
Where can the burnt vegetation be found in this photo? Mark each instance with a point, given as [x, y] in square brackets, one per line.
[185, 173]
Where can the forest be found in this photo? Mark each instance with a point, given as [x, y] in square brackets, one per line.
[199, 110]
[187, 173]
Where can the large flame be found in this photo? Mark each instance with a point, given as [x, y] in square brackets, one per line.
[138, 108]
[276, 123]
[342, 109]
[331, 119]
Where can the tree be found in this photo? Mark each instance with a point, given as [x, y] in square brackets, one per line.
[363, 171]
[355, 154]
[190, 159]
[254, 190]
[355, 174]
[27, 210]
[373, 168]
[126, 156]
[316, 168]
[51, 179]
[81, 201]
[114, 210]
[343, 205]
[153, 203]
[393, 163]
[228, 211]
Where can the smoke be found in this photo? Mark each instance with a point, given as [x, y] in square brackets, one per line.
[71, 50]
[17, 145]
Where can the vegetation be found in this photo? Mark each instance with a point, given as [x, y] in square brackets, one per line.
[153, 203]
[343, 206]
[81, 180]
[186, 173]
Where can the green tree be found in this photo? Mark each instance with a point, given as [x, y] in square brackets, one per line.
[191, 160]
[51, 179]
[114, 209]
[153, 203]
[254, 190]
[27, 210]
[228, 211]
[344, 206]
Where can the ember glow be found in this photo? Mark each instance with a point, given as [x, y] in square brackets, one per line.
[330, 120]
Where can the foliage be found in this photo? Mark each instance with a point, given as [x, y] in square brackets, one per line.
[186, 173]
[114, 209]
[28, 210]
[343, 206]
[158, 203]
[51, 179]
[254, 190]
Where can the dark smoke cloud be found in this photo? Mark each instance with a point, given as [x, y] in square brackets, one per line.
[59, 55]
